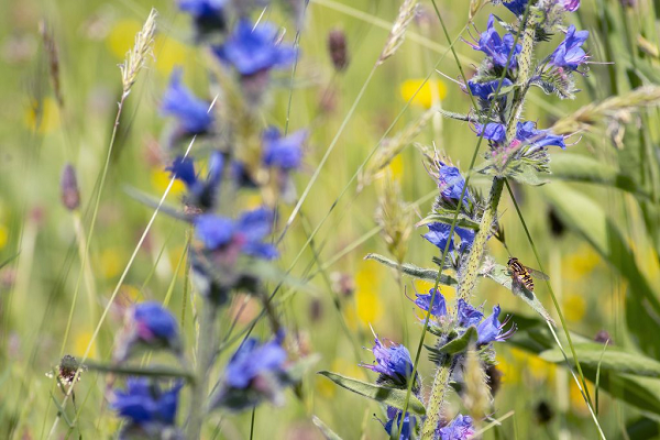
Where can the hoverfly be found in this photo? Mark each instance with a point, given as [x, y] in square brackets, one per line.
[522, 275]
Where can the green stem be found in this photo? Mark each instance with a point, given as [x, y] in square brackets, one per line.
[438, 393]
[205, 351]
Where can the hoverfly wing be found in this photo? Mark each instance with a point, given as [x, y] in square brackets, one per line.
[537, 274]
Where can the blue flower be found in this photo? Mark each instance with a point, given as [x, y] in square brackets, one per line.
[571, 5]
[393, 363]
[460, 428]
[527, 133]
[394, 420]
[467, 315]
[251, 50]
[492, 131]
[191, 112]
[439, 308]
[569, 54]
[252, 360]
[498, 48]
[144, 404]
[491, 330]
[155, 323]
[209, 15]
[518, 7]
[256, 371]
[203, 192]
[283, 152]
[245, 234]
[451, 183]
[486, 90]
[439, 235]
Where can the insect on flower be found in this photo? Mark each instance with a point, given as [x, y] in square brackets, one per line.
[522, 275]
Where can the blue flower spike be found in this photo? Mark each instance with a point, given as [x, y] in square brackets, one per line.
[208, 15]
[500, 49]
[491, 330]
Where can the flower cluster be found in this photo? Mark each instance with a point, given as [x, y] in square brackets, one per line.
[231, 247]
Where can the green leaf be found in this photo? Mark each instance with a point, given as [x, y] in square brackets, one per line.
[639, 391]
[447, 217]
[412, 270]
[581, 168]
[500, 274]
[613, 359]
[389, 396]
[460, 344]
[528, 175]
[588, 219]
[328, 433]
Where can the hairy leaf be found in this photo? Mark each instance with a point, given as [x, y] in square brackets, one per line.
[412, 270]
[389, 396]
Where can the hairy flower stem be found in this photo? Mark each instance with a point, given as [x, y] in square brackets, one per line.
[470, 270]
[438, 394]
[205, 350]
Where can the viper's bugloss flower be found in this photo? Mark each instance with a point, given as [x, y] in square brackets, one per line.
[486, 90]
[439, 235]
[460, 428]
[393, 363]
[571, 5]
[491, 330]
[439, 307]
[569, 54]
[154, 323]
[245, 235]
[253, 49]
[527, 133]
[499, 49]
[451, 183]
[144, 405]
[283, 152]
[394, 421]
[467, 315]
[202, 192]
[492, 131]
[208, 15]
[255, 372]
[518, 7]
[191, 113]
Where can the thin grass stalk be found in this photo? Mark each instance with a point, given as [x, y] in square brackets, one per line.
[205, 355]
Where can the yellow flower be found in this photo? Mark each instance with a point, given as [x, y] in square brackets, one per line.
[367, 291]
[81, 342]
[42, 116]
[396, 167]
[110, 263]
[510, 369]
[4, 235]
[160, 179]
[581, 263]
[432, 90]
[574, 307]
[122, 37]
[577, 400]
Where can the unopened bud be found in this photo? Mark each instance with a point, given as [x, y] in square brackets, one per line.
[603, 337]
[337, 48]
[69, 187]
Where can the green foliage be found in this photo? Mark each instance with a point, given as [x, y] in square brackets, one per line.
[388, 396]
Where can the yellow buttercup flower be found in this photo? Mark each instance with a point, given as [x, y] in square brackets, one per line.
[423, 287]
[575, 266]
[432, 90]
[110, 263]
[4, 236]
[81, 342]
[121, 37]
[574, 307]
[42, 116]
[367, 291]
[160, 179]
[396, 167]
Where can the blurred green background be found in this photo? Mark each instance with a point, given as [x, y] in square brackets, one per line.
[38, 136]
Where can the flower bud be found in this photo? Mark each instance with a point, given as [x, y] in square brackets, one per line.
[337, 49]
[69, 188]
